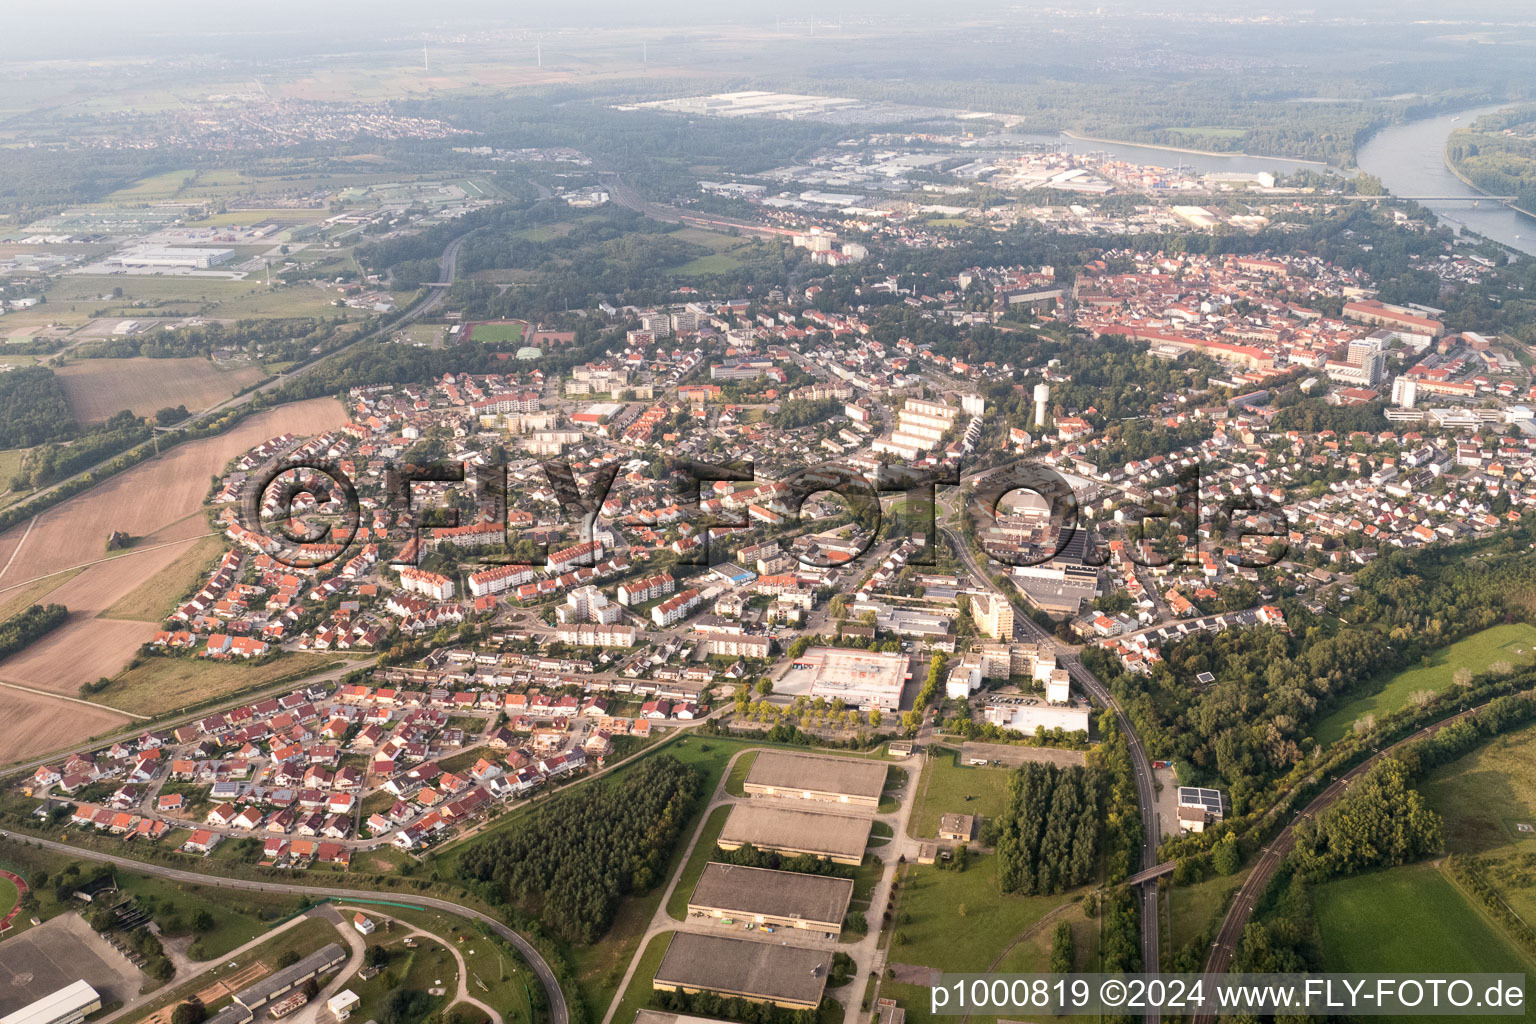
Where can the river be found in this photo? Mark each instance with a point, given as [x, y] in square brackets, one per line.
[1155, 156]
[1409, 160]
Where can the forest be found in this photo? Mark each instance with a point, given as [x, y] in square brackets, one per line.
[1048, 834]
[1254, 722]
[580, 853]
[49, 463]
[33, 408]
[23, 628]
[1379, 822]
[1496, 162]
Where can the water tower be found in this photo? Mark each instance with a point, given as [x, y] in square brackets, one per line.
[1042, 395]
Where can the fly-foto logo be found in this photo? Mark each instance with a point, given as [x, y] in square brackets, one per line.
[319, 494]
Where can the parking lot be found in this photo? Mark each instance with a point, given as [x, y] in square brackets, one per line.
[43, 960]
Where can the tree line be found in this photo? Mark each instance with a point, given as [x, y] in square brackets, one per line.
[582, 852]
[23, 628]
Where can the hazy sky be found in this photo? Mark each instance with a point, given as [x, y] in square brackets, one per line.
[271, 28]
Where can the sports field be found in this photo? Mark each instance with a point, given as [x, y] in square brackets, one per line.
[498, 333]
[1513, 642]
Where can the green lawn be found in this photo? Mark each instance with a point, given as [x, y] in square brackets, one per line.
[638, 995]
[1513, 642]
[960, 920]
[429, 966]
[1484, 795]
[945, 785]
[1405, 920]
[498, 334]
[1484, 798]
[1194, 909]
[497, 975]
[238, 917]
[9, 894]
[677, 905]
[735, 783]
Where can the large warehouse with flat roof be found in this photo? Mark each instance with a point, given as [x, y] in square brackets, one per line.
[841, 780]
[69, 1005]
[788, 898]
[764, 972]
[863, 679]
[784, 829]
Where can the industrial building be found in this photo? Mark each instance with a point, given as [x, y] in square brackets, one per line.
[862, 679]
[840, 780]
[286, 980]
[1026, 714]
[69, 1005]
[171, 257]
[783, 829]
[763, 972]
[959, 828]
[789, 899]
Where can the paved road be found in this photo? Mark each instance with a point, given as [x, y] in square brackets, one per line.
[1141, 767]
[558, 1011]
[1231, 933]
[436, 294]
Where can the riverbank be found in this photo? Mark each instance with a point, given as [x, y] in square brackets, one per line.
[1411, 160]
[1450, 165]
[1076, 137]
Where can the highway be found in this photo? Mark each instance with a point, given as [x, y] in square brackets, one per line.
[558, 1011]
[1141, 767]
[1225, 947]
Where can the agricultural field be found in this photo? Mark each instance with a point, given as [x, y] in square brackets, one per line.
[1409, 919]
[36, 724]
[157, 502]
[949, 787]
[160, 595]
[1511, 642]
[163, 684]
[98, 388]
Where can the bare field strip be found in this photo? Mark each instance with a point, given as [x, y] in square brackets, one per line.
[82, 650]
[150, 496]
[156, 597]
[35, 725]
[98, 388]
[158, 502]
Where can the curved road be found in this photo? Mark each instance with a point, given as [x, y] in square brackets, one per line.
[438, 292]
[558, 1012]
[1231, 933]
[1141, 767]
